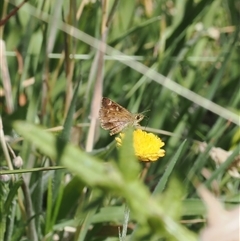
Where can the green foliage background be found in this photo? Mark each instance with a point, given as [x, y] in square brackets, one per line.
[194, 45]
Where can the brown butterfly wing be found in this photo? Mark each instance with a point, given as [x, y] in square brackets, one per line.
[115, 127]
[114, 117]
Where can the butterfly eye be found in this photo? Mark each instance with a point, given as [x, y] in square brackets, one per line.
[138, 117]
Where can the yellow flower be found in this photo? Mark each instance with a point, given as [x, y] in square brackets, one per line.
[147, 146]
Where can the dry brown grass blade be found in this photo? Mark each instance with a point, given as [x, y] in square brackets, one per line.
[219, 156]
[97, 94]
[6, 78]
[222, 225]
[13, 12]
[98, 89]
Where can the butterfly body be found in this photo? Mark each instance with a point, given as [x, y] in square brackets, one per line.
[115, 118]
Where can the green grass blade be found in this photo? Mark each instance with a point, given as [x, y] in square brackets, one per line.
[163, 181]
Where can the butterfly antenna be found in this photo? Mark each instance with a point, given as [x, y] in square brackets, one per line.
[144, 112]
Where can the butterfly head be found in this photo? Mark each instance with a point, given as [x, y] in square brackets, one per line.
[138, 118]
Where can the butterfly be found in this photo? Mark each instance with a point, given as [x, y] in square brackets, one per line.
[115, 118]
